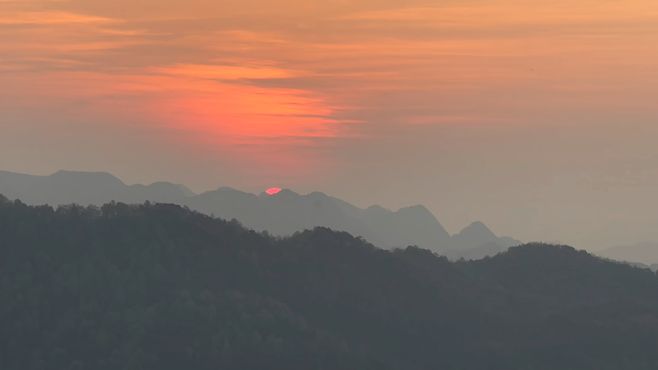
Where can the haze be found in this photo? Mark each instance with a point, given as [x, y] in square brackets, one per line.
[537, 118]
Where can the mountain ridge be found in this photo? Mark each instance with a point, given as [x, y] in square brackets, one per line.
[281, 214]
[176, 289]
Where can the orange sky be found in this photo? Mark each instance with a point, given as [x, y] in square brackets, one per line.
[374, 100]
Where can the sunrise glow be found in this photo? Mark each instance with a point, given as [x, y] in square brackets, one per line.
[273, 191]
[323, 94]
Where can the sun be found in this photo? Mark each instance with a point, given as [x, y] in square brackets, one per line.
[273, 191]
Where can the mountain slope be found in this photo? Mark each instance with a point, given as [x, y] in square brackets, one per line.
[646, 253]
[288, 212]
[161, 287]
[66, 187]
[477, 241]
[281, 214]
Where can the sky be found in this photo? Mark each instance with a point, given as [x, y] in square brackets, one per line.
[538, 117]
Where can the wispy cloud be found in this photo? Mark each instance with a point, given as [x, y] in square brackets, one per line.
[253, 71]
[51, 18]
[226, 72]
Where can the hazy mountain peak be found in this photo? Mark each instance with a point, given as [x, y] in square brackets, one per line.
[477, 241]
[318, 195]
[76, 176]
[478, 229]
[162, 191]
[185, 191]
[415, 209]
[377, 209]
[228, 189]
[203, 200]
[285, 192]
[282, 194]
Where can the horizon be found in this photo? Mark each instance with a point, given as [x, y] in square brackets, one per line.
[264, 192]
[260, 192]
[275, 191]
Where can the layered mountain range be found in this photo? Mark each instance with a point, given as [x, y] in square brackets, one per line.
[158, 286]
[280, 214]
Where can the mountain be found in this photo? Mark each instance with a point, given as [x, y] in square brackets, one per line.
[645, 253]
[474, 234]
[66, 187]
[477, 241]
[158, 286]
[287, 212]
[280, 214]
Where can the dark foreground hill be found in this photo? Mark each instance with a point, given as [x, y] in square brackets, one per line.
[161, 287]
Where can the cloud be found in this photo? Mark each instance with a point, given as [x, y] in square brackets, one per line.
[279, 75]
[226, 72]
[51, 18]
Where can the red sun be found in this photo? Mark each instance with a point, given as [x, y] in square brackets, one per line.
[272, 191]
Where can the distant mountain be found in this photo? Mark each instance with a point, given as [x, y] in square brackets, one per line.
[280, 214]
[474, 234]
[66, 187]
[287, 212]
[645, 253]
[477, 241]
[157, 286]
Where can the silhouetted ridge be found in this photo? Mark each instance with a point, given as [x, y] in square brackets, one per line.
[281, 214]
[542, 250]
[547, 278]
[175, 289]
[97, 178]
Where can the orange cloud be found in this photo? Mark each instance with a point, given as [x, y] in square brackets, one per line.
[226, 72]
[504, 12]
[208, 106]
[236, 112]
[249, 73]
[51, 18]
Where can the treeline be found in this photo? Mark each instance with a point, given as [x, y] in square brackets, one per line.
[157, 286]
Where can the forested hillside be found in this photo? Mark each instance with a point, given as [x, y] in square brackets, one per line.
[158, 286]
